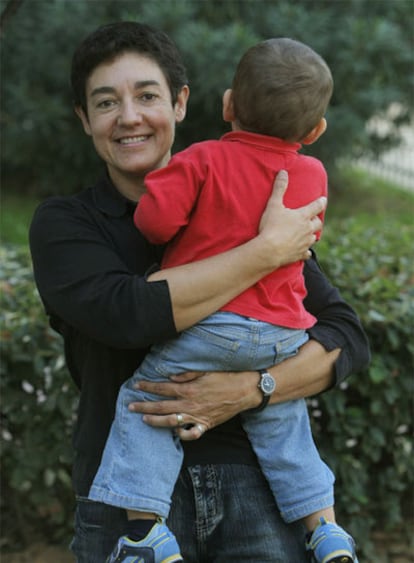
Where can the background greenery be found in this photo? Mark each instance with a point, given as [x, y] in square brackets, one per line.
[365, 430]
[367, 43]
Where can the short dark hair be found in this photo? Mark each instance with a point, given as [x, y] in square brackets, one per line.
[281, 88]
[110, 41]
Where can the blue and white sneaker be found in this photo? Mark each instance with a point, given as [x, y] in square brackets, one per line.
[329, 543]
[158, 546]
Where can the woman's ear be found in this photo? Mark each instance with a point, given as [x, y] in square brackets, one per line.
[84, 118]
[316, 132]
[228, 110]
[180, 107]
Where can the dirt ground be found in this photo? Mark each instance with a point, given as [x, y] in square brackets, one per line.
[39, 553]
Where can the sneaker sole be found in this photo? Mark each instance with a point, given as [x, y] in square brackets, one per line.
[340, 559]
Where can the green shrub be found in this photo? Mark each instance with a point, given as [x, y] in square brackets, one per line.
[363, 430]
[37, 410]
[366, 430]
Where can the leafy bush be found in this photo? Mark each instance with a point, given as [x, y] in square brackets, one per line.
[366, 430]
[363, 430]
[37, 410]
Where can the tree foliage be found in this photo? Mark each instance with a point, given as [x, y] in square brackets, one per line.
[367, 43]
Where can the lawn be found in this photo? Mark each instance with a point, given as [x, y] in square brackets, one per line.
[15, 216]
[372, 201]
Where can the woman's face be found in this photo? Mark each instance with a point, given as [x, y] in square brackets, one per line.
[131, 118]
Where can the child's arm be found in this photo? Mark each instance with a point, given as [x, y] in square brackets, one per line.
[171, 194]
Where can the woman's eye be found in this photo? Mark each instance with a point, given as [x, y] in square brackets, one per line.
[148, 97]
[105, 104]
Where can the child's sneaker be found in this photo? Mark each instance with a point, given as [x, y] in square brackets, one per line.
[158, 546]
[330, 543]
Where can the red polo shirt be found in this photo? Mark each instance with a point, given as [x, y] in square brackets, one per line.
[211, 197]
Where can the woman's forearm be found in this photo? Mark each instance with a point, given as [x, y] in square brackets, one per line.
[213, 398]
[201, 288]
[308, 373]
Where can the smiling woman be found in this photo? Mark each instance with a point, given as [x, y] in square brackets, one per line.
[91, 267]
[131, 121]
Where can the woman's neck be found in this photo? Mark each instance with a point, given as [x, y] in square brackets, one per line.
[132, 187]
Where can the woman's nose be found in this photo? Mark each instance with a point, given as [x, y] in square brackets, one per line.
[129, 113]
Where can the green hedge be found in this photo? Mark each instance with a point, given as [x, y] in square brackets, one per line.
[37, 411]
[363, 430]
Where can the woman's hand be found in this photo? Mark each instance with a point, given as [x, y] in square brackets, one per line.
[207, 399]
[200, 399]
[289, 232]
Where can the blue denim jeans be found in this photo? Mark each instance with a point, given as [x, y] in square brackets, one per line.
[219, 514]
[141, 464]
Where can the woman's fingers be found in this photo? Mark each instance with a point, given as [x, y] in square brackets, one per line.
[208, 400]
[185, 426]
[192, 433]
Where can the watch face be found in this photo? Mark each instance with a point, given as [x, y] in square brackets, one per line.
[267, 384]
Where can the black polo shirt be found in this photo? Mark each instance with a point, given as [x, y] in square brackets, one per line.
[90, 264]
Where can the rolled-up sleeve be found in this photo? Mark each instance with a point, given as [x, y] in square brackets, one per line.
[84, 279]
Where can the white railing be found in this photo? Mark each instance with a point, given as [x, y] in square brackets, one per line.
[397, 164]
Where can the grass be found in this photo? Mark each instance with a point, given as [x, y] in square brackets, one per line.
[15, 216]
[358, 194]
[371, 200]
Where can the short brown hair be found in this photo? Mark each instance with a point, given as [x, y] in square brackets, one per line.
[110, 41]
[281, 88]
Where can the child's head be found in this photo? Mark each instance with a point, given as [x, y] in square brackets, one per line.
[281, 88]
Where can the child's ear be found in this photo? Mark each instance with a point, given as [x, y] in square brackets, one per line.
[228, 111]
[316, 132]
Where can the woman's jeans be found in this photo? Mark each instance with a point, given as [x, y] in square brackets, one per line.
[141, 464]
[219, 514]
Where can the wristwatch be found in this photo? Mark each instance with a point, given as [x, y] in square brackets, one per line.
[267, 385]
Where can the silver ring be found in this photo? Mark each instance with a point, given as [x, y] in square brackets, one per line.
[201, 428]
[180, 419]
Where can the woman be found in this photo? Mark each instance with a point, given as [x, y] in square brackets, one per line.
[91, 267]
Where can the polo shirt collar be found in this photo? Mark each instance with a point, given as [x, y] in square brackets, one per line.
[262, 141]
[109, 200]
